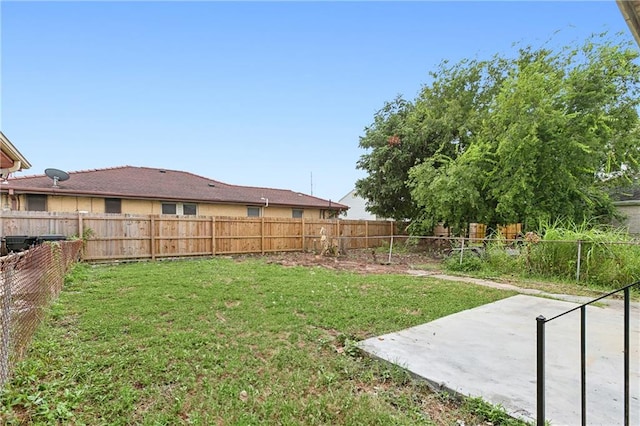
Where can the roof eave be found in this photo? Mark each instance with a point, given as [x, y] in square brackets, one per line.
[631, 12]
[13, 152]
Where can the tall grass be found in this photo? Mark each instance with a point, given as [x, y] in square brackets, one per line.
[608, 257]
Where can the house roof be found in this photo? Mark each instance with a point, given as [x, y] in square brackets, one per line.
[631, 12]
[9, 154]
[165, 185]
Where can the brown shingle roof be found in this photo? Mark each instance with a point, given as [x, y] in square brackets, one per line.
[165, 185]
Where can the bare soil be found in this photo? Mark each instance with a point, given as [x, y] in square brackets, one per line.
[359, 261]
[418, 263]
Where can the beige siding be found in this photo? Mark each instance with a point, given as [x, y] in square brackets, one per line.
[222, 210]
[60, 204]
[140, 207]
[86, 204]
[631, 212]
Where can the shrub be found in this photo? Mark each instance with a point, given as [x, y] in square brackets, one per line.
[471, 262]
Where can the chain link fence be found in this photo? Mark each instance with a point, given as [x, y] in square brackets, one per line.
[29, 281]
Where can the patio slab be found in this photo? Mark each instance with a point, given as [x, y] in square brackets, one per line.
[490, 352]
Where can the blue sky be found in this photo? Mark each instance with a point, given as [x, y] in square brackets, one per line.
[248, 93]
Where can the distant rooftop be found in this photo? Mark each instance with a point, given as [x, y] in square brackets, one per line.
[164, 184]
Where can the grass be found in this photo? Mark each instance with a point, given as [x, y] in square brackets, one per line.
[225, 342]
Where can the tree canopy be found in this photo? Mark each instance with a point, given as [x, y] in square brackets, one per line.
[538, 136]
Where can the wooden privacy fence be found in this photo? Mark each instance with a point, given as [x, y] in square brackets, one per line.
[122, 237]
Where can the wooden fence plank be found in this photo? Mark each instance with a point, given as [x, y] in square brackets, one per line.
[122, 237]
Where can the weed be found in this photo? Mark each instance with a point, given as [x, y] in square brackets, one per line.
[493, 414]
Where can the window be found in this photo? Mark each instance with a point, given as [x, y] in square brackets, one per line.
[253, 211]
[168, 208]
[112, 205]
[180, 209]
[189, 209]
[37, 202]
[296, 213]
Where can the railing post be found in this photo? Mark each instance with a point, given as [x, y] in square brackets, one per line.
[626, 355]
[583, 363]
[540, 418]
[540, 320]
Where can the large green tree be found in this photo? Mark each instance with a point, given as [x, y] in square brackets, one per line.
[535, 137]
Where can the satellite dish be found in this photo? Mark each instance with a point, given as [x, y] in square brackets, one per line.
[56, 175]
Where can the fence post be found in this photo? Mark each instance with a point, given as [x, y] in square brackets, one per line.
[540, 320]
[81, 231]
[578, 263]
[213, 235]
[461, 250]
[152, 236]
[391, 230]
[366, 234]
[262, 235]
[304, 242]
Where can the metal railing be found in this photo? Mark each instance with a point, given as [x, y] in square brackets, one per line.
[540, 362]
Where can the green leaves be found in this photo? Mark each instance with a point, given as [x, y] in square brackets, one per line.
[524, 139]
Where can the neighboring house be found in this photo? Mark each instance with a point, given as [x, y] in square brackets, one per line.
[627, 203]
[10, 158]
[357, 207]
[143, 190]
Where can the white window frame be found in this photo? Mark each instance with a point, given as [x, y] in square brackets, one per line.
[254, 209]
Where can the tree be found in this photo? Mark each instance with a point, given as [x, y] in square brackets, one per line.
[527, 139]
[391, 138]
[441, 122]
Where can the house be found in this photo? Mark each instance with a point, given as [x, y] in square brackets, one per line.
[143, 190]
[11, 160]
[627, 203]
[357, 207]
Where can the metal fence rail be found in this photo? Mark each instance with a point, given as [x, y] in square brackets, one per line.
[540, 362]
[29, 281]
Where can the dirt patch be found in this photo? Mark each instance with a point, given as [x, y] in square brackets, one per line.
[359, 261]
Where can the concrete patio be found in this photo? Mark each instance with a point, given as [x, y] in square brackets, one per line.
[490, 352]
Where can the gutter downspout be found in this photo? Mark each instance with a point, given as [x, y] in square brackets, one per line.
[4, 173]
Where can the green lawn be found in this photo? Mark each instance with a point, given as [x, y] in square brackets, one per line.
[219, 341]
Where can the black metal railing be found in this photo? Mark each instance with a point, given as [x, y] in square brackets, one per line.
[541, 321]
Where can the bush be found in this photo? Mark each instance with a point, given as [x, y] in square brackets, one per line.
[471, 262]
